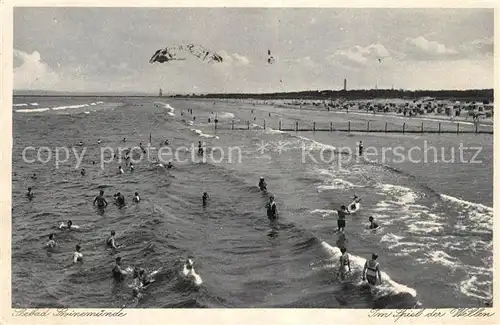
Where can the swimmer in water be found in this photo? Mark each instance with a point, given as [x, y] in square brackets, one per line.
[341, 217]
[204, 198]
[200, 149]
[98, 141]
[272, 210]
[118, 273]
[144, 279]
[119, 199]
[124, 140]
[344, 263]
[373, 224]
[136, 199]
[262, 184]
[93, 162]
[34, 176]
[82, 172]
[101, 201]
[120, 170]
[372, 270]
[77, 255]
[132, 167]
[80, 143]
[30, 194]
[169, 165]
[51, 243]
[110, 242]
[166, 142]
[69, 225]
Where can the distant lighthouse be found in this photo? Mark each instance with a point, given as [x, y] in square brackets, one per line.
[160, 93]
[345, 84]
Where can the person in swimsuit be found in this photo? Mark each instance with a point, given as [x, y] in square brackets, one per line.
[200, 149]
[82, 172]
[136, 199]
[34, 176]
[373, 224]
[341, 217]
[262, 184]
[345, 264]
[51, 243]
[77, 255]
[118, 273]
[169, 165]
[144, 279]
[204, 198]
[120, 170]
[30, 194]
[372, 270]
[69, 225]
[101, 201]
[110, 242]
[272, 210]
[132, 168]
[119, 199]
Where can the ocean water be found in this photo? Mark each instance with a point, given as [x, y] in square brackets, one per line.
[434, 244]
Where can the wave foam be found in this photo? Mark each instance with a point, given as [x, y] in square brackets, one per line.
[387, 287]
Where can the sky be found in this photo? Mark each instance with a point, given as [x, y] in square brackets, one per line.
[108, 49]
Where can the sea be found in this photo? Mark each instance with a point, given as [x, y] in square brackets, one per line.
[434, 206]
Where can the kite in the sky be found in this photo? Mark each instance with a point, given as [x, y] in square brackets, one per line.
[270, 58]
[181, 52]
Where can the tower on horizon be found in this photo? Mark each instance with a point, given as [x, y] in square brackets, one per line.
[345, 84]
[160, 93]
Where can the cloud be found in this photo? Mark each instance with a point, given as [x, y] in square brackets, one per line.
[360, 56]
[234, 59]
[32, 72]
[483, 45]
[421, 49]
[306, 62]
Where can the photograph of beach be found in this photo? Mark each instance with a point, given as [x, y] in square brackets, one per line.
[252, 158]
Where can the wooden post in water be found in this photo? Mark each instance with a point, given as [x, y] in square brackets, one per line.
[232, 125]
[314, 126]
[404, 124]
[215, 124]
[296, 126]
[367, 126]
[439, 128]
[422, 128]
[248, 125]
[385, 127]
[349, 126]
[264, 124]
[331, 126]
[280, 125]
[458, 128]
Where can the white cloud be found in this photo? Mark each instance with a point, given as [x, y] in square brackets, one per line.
[306, 62]
[234, 58]
[33, 73]
[483, 45]
[422, 49]
[360, 56]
